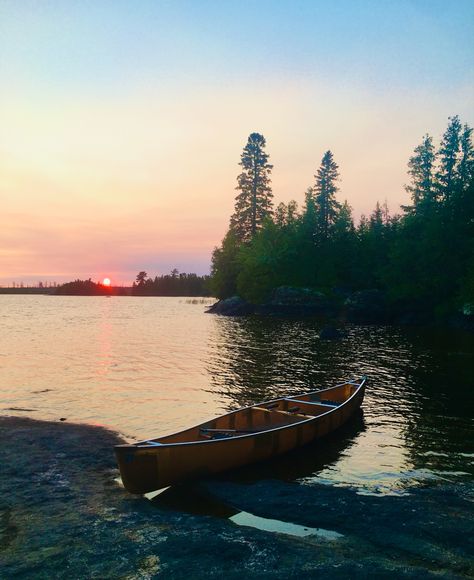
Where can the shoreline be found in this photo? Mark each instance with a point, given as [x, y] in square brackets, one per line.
[365, 308]
[63, 513]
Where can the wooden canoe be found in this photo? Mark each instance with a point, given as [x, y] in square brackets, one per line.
[238, 438]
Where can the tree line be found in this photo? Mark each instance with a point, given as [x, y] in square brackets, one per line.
[421, 258]
[173, 284]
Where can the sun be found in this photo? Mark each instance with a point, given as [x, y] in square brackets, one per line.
[106, 281]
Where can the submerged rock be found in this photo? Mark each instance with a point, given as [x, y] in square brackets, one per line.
[331, 333]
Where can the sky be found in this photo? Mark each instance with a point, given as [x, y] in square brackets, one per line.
[122, 122]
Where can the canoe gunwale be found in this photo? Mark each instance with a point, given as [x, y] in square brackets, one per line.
[148, 444]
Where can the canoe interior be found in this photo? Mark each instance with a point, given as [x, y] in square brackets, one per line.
[264, 416]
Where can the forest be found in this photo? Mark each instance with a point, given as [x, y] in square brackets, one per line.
[173, 284]
[422, 258]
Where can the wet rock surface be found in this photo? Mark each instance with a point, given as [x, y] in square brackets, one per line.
[234, 306]
[283, 301]
[63, 515]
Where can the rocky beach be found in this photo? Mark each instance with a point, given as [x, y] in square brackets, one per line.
[65, 515]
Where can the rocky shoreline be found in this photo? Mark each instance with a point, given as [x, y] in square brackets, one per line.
[63, 514]
[361, 307]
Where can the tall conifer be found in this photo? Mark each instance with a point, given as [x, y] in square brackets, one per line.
[254, 200]
[448, 158]
[325, 191]
[421, 171]
[465, 170]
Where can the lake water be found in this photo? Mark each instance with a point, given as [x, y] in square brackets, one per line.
[147, 366]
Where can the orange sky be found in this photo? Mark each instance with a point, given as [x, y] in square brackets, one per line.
[109, 176]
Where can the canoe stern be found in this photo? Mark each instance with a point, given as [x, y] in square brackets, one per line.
[138, 470]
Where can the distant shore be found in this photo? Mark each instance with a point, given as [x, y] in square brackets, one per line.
[110, 291]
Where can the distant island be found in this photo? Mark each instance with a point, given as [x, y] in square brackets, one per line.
[173, 284]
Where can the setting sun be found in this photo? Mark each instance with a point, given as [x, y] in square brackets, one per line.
[106, 281]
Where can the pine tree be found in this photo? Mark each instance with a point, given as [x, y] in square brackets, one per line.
[254, 201]
[377, 220]
[141, 278]
[465, 170]
[344, 223]
[324, 194]
[286, 214]
[225, 267]
[448, 158]
[421, 171]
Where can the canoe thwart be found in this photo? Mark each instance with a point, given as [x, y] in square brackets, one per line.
[323, 402]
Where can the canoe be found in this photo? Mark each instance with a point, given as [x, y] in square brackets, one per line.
[245, 436]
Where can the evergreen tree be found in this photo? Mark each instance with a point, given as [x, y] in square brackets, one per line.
[286, 214]
[421, 171]
[324, 194]
[254, 201]
[448, 158]
[376, 219]
[309, 217]
[344, 224]
[225, 267]
[141, 278]
[465, 172]
[344, 248]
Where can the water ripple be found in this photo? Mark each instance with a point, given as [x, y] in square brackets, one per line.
[151, 365]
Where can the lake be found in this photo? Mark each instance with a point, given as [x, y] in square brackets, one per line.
[147, 366]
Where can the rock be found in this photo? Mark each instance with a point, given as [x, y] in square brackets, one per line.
[367, 307]
[291, 301]
[331, 333]
[283, 301]
[289, 295]
[234, 306]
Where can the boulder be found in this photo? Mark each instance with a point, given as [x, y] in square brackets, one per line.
[233, 306]
[289, 295]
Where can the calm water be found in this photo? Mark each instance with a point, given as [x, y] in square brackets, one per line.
[146, 366]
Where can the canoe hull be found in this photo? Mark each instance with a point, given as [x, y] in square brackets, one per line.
[148, 468]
